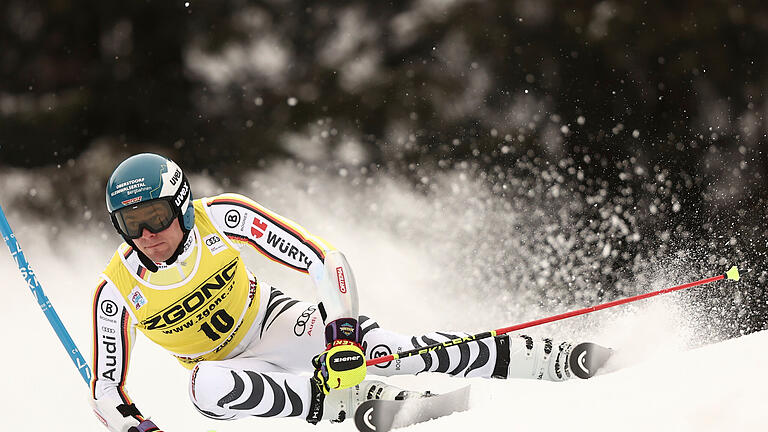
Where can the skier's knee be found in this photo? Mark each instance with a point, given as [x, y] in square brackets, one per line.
[366, 325]
[205, 388]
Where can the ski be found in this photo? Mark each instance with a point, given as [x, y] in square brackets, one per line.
[382, 415]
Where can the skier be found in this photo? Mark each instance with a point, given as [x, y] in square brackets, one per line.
[252, 350]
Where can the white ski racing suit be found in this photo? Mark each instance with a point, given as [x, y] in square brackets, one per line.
[249, 346]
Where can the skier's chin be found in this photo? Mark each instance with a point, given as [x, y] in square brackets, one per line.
[157, 253]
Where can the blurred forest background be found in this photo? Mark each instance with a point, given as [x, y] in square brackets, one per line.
[636, 129]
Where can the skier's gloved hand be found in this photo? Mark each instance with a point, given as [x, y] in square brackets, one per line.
[120, 418]
[145, 426]
[342, 364]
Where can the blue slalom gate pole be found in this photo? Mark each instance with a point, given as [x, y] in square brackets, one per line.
[42, 300]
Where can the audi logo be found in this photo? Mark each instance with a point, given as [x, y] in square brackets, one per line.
[301, 322]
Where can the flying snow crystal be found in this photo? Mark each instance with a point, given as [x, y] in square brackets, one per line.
[635, 133]
[186, 4]
[292, 101]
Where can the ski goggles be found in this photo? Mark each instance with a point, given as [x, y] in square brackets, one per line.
[156, 215]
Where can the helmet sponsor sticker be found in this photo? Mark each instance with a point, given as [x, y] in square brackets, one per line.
[214, 243]
[182, 197]
[130, 187]
[176, 177]
[137, 298]
[133, 200]
[169, 180]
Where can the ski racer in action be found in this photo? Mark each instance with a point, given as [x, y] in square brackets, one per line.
[252, 350]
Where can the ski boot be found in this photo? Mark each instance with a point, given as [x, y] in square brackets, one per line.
[340, 404]
[546, 360]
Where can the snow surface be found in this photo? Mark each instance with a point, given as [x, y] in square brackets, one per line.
[661, 387]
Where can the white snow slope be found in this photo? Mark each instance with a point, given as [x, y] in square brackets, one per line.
[717, 387]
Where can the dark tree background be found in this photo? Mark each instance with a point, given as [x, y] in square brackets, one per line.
[649, 106]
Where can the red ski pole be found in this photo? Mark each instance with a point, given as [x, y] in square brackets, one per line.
[732, 274]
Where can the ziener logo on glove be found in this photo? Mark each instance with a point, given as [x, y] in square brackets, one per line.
[343, 361]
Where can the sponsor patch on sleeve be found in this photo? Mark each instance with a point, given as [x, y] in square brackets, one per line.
[341, 279]
[214, 243]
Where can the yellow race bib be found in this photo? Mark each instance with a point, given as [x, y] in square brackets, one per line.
[197, 314]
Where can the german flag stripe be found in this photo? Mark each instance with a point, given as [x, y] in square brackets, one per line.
[125, 339]
[273, 218]
[128, 252]
[141, 271]
[95, 362]
[244, 239]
